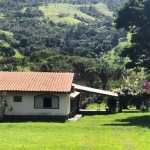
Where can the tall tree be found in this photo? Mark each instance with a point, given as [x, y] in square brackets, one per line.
[106, 73]
[134, 17]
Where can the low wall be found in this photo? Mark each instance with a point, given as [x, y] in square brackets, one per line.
[34, 118]
[92, 112]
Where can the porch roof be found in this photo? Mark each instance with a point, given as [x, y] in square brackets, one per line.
[74, 94]
[81, 88]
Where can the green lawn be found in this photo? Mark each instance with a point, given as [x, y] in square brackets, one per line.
[125, 131]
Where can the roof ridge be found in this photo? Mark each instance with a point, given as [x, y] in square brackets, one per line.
[35, 72]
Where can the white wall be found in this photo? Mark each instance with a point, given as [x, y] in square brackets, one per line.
[26, 107]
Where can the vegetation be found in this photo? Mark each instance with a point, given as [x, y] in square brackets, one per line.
[61, 12]
[116, 132]
[73, 29]
[37, 36]
[95, 106]
[78, 37]
[134, 17]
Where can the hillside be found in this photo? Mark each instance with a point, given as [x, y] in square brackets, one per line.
[82, 29]
[63, 12]
[62, 36]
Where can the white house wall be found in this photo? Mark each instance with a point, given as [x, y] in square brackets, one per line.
[26, 107]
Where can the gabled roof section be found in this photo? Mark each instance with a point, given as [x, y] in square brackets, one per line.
[36, 81]
[81, 88]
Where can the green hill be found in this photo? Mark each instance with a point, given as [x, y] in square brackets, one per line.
[63, 12]
[79, 28]
[82, 28]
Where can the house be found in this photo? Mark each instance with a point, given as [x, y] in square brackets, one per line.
[38, 96]
[41, 96]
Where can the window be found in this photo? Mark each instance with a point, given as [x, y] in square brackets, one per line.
[17, 98]
[46, 102]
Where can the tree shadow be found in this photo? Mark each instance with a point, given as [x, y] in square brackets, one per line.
[141, 121]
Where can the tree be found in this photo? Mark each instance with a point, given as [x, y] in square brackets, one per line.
[130, 90]
[106, 73]
[3, 105]
[79, 68]
[134, 17]
[146, 85]
[46, 67]
[24, 62]
[24, 42]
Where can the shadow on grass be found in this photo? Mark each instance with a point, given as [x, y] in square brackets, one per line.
[141, 121]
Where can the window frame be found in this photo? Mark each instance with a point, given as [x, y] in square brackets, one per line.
[16, 100]
[46, 96]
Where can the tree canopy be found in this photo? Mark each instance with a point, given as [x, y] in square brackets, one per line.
[134, 17]
[26, 27]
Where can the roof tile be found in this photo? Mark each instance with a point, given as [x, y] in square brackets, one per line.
[36, 81]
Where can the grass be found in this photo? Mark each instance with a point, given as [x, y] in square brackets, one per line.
[103, 9]
[25, 69]
[52, 12]
[17, 54]
[124, 131]
[9, 34]
[5, 44]
[94, 106]
[21, 68]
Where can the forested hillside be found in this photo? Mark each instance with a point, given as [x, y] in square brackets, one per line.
[62, 35]
[32, 28]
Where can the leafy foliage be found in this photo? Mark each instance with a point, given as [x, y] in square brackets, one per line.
[134, 17]
[146, 85]
[46, 45]
[32, 31]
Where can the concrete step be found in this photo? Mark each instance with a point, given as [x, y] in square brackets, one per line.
[75, 118]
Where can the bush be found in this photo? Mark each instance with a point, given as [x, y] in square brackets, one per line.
[62, 15]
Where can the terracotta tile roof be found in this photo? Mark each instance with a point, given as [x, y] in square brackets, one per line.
[81, 88]
[36, 81]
